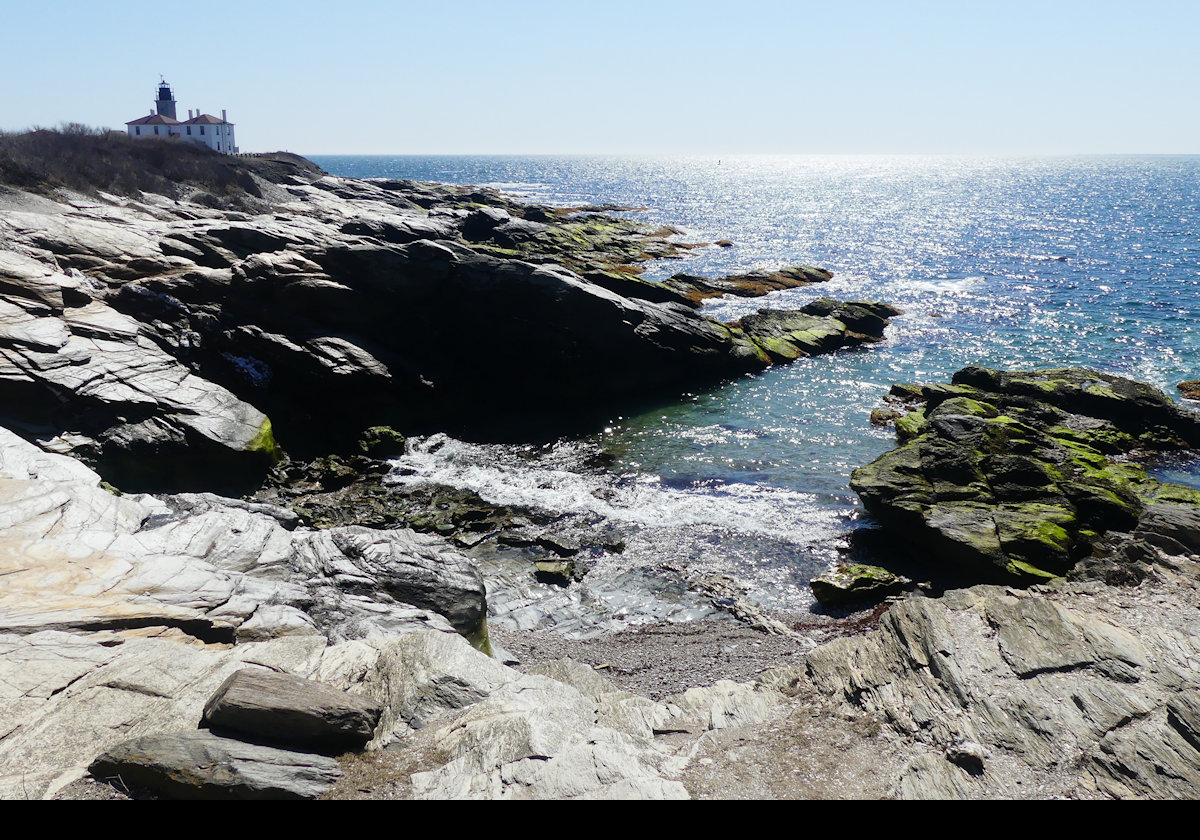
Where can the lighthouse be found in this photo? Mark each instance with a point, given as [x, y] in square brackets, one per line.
[205, 129]
[165, 104]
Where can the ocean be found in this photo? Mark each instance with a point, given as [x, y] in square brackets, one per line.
[1001, 262]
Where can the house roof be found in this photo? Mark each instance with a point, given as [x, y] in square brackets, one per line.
[154, 119]
[206, 119]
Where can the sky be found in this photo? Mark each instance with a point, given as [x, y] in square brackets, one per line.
[620, 77]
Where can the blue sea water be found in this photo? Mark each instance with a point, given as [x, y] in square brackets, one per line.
[1002, 262]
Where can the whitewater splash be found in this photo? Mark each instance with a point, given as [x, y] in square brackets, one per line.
[771, 539]
[556, 481]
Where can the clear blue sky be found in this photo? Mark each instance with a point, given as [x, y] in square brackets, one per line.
[516, 76]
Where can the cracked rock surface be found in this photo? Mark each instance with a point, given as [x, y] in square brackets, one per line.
[1078, 690]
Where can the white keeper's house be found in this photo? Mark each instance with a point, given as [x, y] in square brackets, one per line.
[216, 133]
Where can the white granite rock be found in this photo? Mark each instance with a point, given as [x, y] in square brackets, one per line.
[1081, 682]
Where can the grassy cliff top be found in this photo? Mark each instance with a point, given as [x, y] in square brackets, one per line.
[98, 160]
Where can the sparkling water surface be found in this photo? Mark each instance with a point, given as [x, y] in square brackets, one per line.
[1002, 262]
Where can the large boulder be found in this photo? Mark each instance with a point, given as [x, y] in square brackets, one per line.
[1010, 476]
[291, 711]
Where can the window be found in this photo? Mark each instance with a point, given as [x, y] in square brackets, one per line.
[137, 129]
[201, 129]
[156, 129]
[189, 130]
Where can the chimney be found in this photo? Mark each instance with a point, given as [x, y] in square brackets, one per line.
[223, 116]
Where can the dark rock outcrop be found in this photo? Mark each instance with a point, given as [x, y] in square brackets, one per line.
[201, 765]
[155, 337]
[752, 284]
[70, 364]
[819, 327]
[431, 336]
[1016, 476]
[290, 711]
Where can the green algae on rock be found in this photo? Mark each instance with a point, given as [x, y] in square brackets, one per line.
[382, 442]
[851, 582]
[821, 326]
[1016, 476]
[752, 284]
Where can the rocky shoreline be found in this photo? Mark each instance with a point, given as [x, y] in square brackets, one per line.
[194, 342]
[266, 336]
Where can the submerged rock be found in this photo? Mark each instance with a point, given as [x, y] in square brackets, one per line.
[1016, 476]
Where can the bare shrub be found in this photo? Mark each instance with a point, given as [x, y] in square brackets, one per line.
[93, 159]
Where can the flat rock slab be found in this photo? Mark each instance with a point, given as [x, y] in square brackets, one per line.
[200, 765]
[291, 711]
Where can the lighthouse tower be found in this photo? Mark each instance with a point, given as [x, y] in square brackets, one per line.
[165, 104]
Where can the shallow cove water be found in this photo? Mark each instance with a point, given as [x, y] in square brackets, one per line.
[1002, 262]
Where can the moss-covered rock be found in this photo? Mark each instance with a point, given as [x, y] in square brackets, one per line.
[265, 443]
[382, 442]
[752, 284]
[819, 327]
[910, 425]
[1015, 476]
[850, 582]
